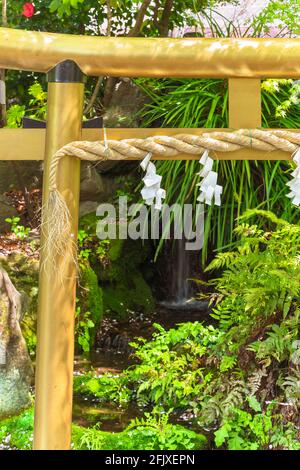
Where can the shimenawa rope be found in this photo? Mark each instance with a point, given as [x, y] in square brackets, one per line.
[56, 216]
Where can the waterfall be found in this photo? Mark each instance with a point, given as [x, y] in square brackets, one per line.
[181, 290]
[182, 266]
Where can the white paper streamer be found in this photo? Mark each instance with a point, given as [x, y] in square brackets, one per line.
[2, 92]
[294, 184]
[209, 188]
[152, 192]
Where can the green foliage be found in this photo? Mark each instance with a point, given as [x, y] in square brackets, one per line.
[89, 311]
[83, 325]
[90, 304]
[153, 432]
[36, 107]
[106, 388]
[259, 431]
[285, 13]
[225, 375]
[37, 102]
[64, 7]
[15, 115]
[260, 286]
[17, 432]
[117, 264]
[124, 12]
[169, 372]
[19, 230]
[291, 384]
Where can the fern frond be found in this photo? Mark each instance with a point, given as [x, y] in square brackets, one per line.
[265, 214]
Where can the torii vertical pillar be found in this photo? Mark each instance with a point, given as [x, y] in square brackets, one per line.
[56, 310]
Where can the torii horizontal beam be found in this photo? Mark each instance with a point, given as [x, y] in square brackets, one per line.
[243, 61]
[29, 144]
[152, 57]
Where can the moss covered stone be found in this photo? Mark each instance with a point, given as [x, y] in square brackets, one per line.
[119, 270]
[90, 296]
[121, 299]
[24, 273]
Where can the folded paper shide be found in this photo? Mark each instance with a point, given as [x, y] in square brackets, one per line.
[209, 188]
[294, 184]
[152, 192]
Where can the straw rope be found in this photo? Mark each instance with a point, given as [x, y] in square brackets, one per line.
[171, 146]
[56, 219]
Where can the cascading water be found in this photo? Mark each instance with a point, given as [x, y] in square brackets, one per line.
[181, 293]
[181, 290]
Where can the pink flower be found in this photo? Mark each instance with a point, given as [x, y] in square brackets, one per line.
[28, 10]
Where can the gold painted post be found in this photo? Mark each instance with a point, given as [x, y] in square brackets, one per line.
[55, 348]
[244, 103]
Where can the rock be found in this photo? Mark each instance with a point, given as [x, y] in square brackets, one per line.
[90, 298]
[16, 370]
[118, 265]
[11, 173]
[94, 186]
[86, 207]
[6, 211]
[24, 272]
[127, 100]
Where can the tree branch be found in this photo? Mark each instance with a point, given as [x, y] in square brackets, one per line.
[94, 96]
[163, 26]
[109, 18]
[135, 31]
[100, 79]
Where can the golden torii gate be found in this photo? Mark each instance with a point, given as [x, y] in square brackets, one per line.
[66, 58]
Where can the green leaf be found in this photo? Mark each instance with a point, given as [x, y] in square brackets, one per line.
[254, 403]
[236, 443]
[222, 434]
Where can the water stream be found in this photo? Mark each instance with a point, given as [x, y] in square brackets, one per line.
[113, 354]
[109, 417]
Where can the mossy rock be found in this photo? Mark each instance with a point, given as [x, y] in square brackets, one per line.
[90, 297]
[124, 287]
[119, 272]
[24, 273]
[17, 433]
[123, 298]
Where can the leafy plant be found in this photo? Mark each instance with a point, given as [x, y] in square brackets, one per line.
[169, 373]
[163, 435]
[36, 107]
[146, 434]
[19, 230]
[253, 431]
[83, 325]
[224, 375]
[15, 115]
[106, 388]
[284, 13]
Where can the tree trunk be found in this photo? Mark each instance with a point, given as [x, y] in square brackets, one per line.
[16, 369]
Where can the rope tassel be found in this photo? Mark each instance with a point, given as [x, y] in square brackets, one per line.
[56, 229]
